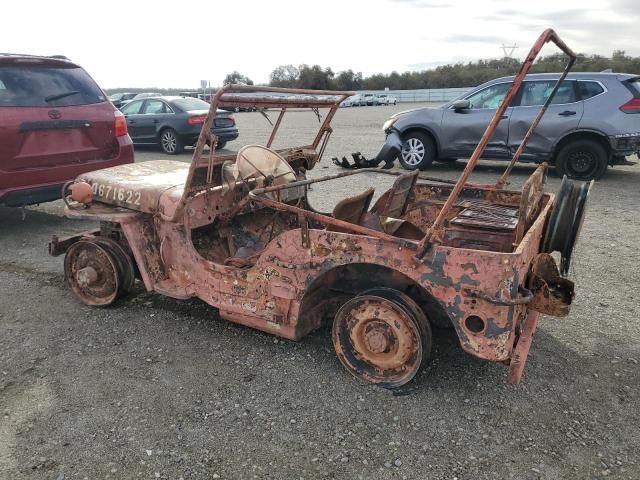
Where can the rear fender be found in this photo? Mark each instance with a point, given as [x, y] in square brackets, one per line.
[578, 134]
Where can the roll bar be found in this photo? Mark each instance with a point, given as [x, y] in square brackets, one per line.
[547, 36]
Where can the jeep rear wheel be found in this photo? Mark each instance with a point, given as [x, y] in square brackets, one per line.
[418, 151]
[582, 160]
[380, 339]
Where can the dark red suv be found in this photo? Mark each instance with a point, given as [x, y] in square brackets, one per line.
[55, 123]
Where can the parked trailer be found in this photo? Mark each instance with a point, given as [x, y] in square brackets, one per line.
[238, 232]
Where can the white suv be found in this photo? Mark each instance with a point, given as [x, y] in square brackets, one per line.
[385, 99]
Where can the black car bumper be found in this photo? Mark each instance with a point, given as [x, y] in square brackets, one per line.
[32, 195]
[625, 144]
[391, 148]
[225, 134]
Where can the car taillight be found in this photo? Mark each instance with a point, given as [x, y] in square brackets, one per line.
[232, 118]
[199, 120]
[121, 125]
[632, 106]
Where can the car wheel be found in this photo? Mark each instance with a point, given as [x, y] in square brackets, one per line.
[220, 145]
[170, 142]
[418, 151]
[582, 160]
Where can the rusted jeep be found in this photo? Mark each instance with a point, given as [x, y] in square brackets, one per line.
[238, 232]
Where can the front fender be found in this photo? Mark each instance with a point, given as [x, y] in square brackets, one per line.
[429, 121]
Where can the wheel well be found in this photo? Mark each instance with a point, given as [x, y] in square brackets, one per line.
[329, 291]
[426, 132]
[581, 136]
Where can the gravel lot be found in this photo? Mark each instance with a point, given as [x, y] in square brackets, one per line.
[158, 388]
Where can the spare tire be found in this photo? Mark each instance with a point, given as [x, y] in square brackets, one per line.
[565, 222]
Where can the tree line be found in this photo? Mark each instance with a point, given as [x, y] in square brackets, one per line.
[445, 76]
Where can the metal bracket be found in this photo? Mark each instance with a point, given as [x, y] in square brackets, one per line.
[304, 231]
[524, 297]
[213, 142]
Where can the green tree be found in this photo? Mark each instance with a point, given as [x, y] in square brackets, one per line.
[348, 80]
[284, 76]
[315, 77]
[237, 77]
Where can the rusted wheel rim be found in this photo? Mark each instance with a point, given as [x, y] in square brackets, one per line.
[123, 262]
[378, 340]
[92, 273]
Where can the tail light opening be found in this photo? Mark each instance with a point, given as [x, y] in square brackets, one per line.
[197, 120]
[120, 129]
[632, 106]
[224, 121]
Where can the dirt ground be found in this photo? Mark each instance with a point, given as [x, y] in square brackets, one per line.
[160, 388]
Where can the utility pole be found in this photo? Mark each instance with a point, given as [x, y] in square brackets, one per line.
[508, 50]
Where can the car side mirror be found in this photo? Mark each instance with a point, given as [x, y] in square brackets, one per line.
[461, 105]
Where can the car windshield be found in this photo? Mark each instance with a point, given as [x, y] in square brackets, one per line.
[46, 86]
[147, 95]
[188, 104]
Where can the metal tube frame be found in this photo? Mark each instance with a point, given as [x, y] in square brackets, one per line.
[423, 246]
[225, 97]
[548, 35]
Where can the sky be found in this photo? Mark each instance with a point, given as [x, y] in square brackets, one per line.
[139, 43]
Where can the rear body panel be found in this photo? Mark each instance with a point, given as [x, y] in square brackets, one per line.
[622, 130]
[39, 152]
[31, 138]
